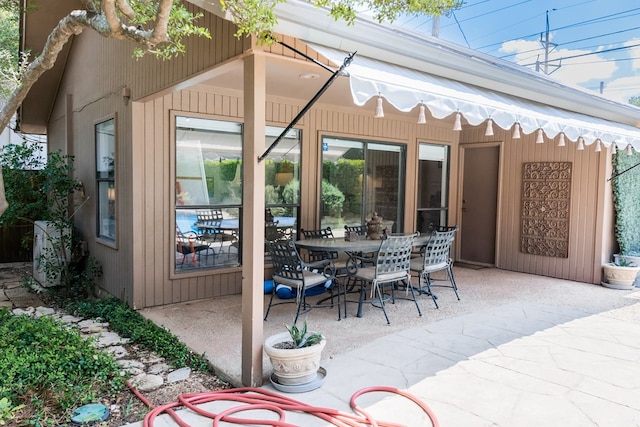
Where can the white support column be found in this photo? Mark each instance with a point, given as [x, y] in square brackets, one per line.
[253, 219]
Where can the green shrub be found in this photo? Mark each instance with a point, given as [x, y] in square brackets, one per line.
[50, 368]
[626, 195]
[332, 199]
[291, 192]
[131, 324]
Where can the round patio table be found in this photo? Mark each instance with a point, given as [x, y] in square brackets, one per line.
[361, 244]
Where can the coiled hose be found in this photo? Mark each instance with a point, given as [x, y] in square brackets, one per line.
[251, 398]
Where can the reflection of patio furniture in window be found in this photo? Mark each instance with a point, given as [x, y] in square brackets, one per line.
[436, 256]
[391, 266]
[211, 230]
[290, 270]
[273, 232]
[190, 247]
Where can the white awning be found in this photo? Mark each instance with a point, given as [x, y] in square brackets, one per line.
[405, 88]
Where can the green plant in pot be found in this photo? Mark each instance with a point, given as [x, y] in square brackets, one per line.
[626, 198]
[295, 355]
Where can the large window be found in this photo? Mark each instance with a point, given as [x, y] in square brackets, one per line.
[282, 183]
[359, 178]
[433, 186]
[105, 179]
[209, 190]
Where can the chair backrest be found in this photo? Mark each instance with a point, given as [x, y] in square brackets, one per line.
[394, 255]
[445, 228]
[358, 229]
[285, 259]
[271, 231]
[208, 215]
[438, 248]
[323, 233]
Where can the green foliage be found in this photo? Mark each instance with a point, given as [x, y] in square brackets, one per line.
[9, 47]
[626, 196]
[256, 17]
[291, 192]
[50, 368]
[348, 179]
[7, 410]
[131, 324]
[182, 23]
[228, 169]
[23, 178]
[332, 199]
[622, 261]
[301, 338]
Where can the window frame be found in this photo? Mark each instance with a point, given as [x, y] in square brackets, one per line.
[110, 240]
[443, 209]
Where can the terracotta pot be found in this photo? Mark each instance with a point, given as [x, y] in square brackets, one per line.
[293, 366]
[620, 275]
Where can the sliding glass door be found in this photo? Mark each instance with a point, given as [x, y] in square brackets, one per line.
[359, 178]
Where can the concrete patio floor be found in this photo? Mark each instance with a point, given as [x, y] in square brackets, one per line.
[517, 350]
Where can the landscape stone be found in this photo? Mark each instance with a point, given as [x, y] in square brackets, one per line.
[158, 368]
[147, 382]
[117, 351]
[179, 375]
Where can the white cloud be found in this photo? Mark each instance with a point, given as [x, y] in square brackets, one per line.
[623, 88]
[634, 52]
[573, 71]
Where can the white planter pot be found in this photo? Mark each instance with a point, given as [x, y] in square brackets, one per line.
[293, 366]
[619, 277]
[636, 261]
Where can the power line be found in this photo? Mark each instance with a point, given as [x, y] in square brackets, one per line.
[577, 24]
[591, 53]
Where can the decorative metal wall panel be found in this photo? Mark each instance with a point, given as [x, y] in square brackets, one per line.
[546, 193]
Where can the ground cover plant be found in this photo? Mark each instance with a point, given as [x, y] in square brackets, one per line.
[131, 324]
[47, 370]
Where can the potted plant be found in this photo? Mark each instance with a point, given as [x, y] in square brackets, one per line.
[295, 355]
[626, 196]
[620, 273]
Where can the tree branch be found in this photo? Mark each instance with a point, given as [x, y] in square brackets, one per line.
[160, 33]
[111, 15]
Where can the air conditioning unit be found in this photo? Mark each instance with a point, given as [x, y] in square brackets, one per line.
[46, 249]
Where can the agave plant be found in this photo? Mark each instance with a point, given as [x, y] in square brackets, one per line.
[300, 337]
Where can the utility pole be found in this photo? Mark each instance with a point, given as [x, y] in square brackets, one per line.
[435, 26]
[548, 47]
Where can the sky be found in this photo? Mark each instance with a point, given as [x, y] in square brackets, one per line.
[593, 44]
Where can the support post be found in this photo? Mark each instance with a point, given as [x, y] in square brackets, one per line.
[253, 219]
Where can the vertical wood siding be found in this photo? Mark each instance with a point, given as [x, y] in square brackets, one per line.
[139, 269]
[584, 236]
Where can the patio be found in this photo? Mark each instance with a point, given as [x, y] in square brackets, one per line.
[214, 326]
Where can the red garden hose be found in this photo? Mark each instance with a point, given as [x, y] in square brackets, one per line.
[251, 398]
